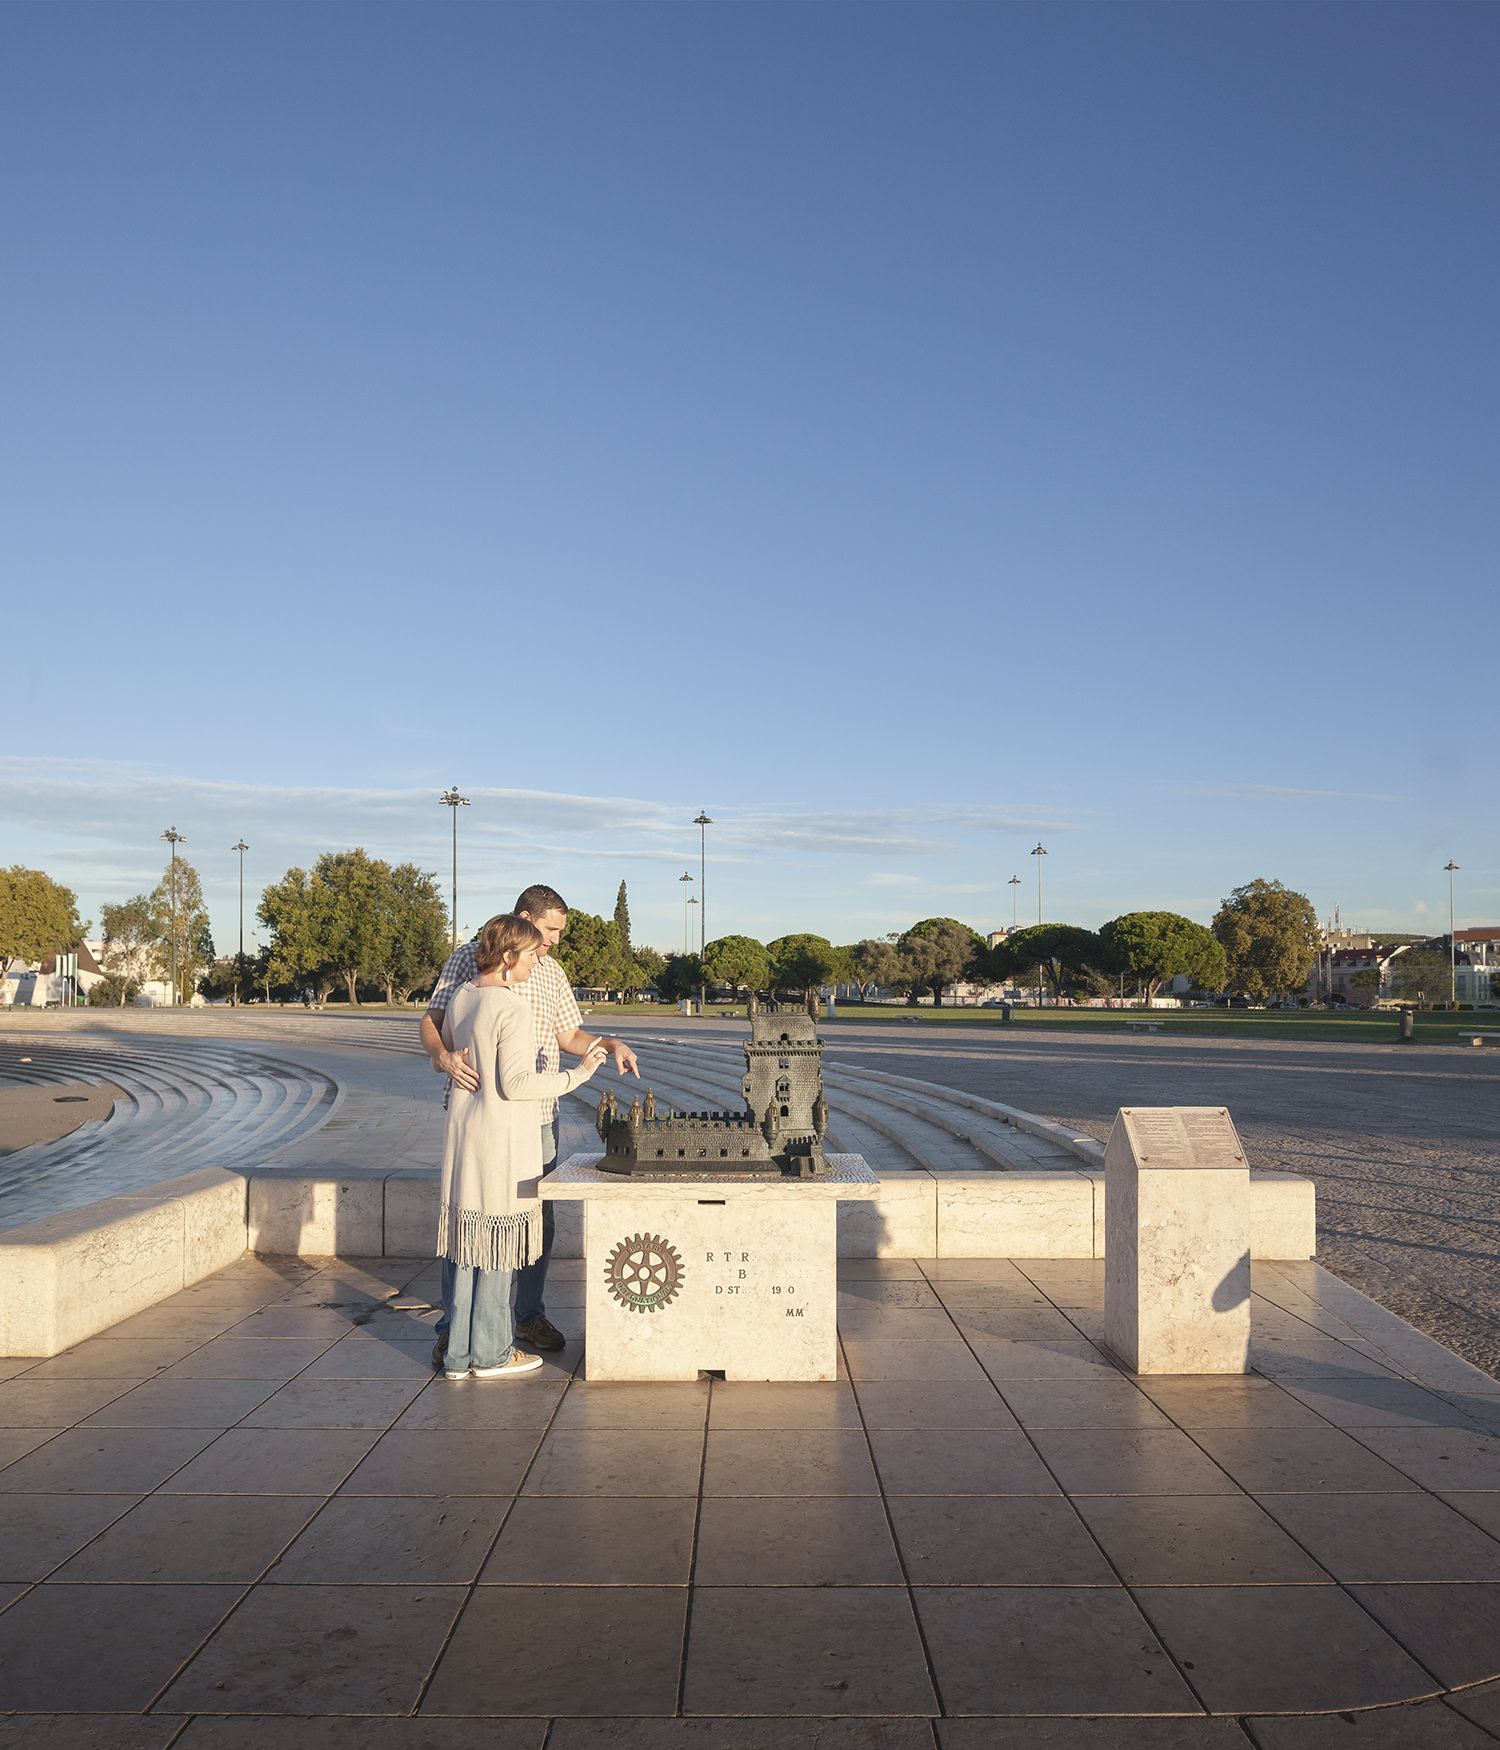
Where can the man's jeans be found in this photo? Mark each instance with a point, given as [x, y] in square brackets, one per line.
[532, 1278]
[482, 1327]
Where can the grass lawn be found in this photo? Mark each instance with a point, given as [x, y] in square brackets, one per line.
[1359, 1027]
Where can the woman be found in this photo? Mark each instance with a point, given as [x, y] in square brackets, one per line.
[490, 1222]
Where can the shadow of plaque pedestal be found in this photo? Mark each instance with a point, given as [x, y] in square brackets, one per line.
[697, 1274]
[1177, 1241]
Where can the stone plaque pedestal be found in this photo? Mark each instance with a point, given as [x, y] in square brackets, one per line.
[1177, 1241]
[688, 1274]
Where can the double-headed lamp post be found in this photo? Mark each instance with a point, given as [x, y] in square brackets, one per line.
[1451, 866]
[703, 823]
[1040, 851]
[452, 799]
[174, 838]
[241, 847]
[687, 940]
[1013, 884]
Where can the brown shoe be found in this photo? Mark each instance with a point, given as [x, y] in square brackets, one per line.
[541, 1333]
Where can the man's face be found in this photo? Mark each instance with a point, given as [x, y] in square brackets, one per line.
[551, 924]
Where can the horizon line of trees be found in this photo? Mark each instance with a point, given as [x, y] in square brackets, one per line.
[355, 921]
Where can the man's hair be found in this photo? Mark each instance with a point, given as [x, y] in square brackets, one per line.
[506, 935]
[537, 901]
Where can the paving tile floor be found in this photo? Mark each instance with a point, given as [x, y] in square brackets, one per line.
[252, 1516]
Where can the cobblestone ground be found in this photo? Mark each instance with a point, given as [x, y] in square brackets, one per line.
[1404, 1143]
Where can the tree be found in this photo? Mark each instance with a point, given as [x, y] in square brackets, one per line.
[738, 961]
[589, 952]
[680, 976]
[113, 990]
[622, 924]
[1420, 975]
[939, 952]
[38, 916]
[186, 944]
[134, 935]
[1153, 946]
[650, 962]
[1007, 965]
[414, 943]
[1062, 952]
[222, 979]
[294, 910]
[356, 919]
[801, 962]
[877, 962]
[1269, 935]
[1367, 979]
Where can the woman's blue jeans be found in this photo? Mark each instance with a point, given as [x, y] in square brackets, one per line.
[481, 1321]
[530, 1279]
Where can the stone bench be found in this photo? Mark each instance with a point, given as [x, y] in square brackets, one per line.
[1140, 1025]
[1469, 1038]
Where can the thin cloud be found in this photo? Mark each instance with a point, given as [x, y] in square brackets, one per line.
[1284, 793]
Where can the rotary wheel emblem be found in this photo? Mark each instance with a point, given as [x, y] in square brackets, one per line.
[644, 1273]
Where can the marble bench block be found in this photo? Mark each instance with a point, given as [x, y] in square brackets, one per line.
[411, 1213]
[73, 1275]
[214, 1226]
[898, 1221]
[1283, 1216]
[1016, 1215]
[1177, 1267]
[296, 1215]
[689, 1275]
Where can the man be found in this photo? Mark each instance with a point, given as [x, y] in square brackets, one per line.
[558, 1027]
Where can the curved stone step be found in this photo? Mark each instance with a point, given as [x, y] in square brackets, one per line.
[188, 1105]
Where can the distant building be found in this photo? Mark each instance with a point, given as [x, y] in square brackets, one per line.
[1476, 967]
[58, 980]
[1477, 974]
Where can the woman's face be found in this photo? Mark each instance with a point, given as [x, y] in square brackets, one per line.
[521, 963]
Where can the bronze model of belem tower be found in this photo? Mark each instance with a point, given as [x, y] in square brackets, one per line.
[778, 1135]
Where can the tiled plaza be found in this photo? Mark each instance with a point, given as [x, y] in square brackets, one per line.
[251, 1516]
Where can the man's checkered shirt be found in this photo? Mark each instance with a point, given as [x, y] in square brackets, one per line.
[553, 1010]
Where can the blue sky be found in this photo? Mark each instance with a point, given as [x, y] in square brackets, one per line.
[905, 431]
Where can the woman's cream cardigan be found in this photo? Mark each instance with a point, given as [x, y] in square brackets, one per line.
[490, 1216]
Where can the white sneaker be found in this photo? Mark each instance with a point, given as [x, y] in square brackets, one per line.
[453, 1373]
[518, 1363]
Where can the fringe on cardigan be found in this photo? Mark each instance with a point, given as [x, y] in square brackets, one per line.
[489, 1242]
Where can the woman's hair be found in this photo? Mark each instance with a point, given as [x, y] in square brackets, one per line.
[504, 935]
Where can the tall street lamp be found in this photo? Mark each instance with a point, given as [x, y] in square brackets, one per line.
[687, 941]
[1013, 884]
[174, 838]
[703, 823]
[452, 799]
[1450, 866]
[241, 847]
[1040, 851]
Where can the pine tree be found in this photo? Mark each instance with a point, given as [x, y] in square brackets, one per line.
[622, 923]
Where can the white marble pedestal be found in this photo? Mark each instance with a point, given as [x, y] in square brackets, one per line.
[1177, 1241]
[690, 1275]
